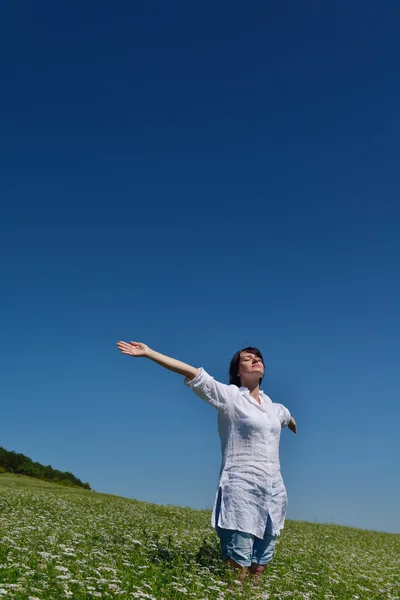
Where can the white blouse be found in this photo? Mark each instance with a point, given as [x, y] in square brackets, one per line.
[250, 485]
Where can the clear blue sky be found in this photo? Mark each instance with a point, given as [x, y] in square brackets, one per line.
[200, 177]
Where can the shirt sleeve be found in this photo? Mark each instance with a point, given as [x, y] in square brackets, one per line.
[217, 394]
[282, 413]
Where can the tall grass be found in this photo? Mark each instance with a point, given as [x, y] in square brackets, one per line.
[58, 542]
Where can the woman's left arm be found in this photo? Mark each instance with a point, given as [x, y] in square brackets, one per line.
[285, 417]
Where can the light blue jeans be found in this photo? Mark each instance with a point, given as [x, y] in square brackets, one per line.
[245, 548]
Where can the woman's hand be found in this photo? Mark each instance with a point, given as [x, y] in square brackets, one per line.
[133, 348]
[292, 425]
[139, 349]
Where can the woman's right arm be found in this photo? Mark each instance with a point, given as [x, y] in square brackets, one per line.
[138, 349]
[217, 394]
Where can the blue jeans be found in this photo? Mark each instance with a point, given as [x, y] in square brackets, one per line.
[245, 548]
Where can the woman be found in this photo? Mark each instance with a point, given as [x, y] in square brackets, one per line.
[250, 505]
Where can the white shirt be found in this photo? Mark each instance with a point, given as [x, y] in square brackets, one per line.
[250, 483]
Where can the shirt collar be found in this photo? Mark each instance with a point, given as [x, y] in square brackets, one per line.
[246, 389]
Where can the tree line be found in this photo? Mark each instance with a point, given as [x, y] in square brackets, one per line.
[12, 462]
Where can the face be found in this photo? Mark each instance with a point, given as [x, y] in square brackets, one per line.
[250, 367]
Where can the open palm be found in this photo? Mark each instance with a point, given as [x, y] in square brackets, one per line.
[133, 348]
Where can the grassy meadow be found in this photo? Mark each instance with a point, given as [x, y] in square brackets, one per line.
[58, 542]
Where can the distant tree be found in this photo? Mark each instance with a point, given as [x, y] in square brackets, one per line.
[19, 463]
[28, 468]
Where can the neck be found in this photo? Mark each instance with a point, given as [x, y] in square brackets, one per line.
[254, 389]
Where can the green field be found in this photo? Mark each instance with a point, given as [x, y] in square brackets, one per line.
[58, 542]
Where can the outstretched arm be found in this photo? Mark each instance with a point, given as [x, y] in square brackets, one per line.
[285, 417]
[138, 349]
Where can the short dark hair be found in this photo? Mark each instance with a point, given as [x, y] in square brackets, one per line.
[234, 366]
